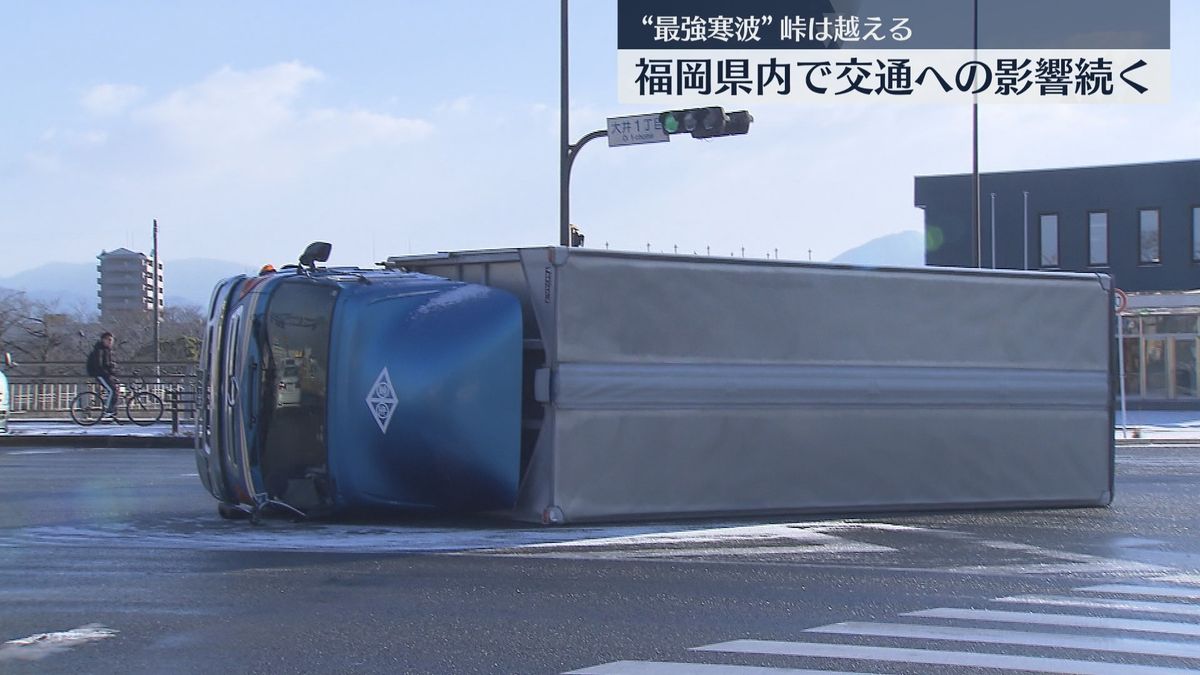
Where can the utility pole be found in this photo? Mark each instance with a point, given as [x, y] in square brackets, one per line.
[993, 230]
[976, 232]
[564, 154]
[157, 295]
[1026, 193]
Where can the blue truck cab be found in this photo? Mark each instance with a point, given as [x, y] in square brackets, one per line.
[329, 390]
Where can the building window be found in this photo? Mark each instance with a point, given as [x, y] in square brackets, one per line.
[1196, 233]
[1098, 238]
[1149, 236]
[1049, 237]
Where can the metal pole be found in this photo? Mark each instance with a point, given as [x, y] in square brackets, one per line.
[993, 230]
[564, 198]
[1026, 193]
[1121, 373]
[573, 151]
[975, 206]
[157, 294]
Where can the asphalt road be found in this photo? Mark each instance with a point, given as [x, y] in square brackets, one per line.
[114, 561]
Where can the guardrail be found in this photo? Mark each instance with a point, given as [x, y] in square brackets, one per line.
[53, 399]
[181, 406]
[67, 372]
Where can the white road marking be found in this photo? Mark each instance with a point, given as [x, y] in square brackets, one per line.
[1013, 637]
[935, 657]
[1153, 591]
[670, 668]
[41, 645]
[832, 548]
[205, 533]
[1095, 566]
[804, 534]
[1181, 578]
[34, 452]
[1072, 620]
[1101, 603]
[1067, 562]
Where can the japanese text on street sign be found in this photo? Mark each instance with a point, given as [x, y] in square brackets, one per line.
[636, 129]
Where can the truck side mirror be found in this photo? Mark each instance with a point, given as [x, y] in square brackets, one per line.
[318, 251]
[8, 359]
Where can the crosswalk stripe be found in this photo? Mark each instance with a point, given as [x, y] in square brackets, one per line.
[1072, 620]
[1181, 578]
[1160, 591]
[670, 668]
[1184, 609]
[936, 657]
[1013, 637]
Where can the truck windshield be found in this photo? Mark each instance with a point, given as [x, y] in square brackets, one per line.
[295, 378]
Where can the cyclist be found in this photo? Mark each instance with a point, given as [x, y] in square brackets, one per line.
[101, 366]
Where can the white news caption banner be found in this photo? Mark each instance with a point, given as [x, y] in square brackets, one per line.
[684, 77]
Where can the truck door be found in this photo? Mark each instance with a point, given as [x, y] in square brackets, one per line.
[242, 382]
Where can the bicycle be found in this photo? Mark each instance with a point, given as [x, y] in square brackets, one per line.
[142, 407]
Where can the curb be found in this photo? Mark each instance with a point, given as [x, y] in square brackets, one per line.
[95, 441]
[1141, 442]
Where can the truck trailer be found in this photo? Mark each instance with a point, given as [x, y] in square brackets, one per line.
[556, 385]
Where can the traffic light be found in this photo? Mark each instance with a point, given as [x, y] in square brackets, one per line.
[737, 123]
[707, 122]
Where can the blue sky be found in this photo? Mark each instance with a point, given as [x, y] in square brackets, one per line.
[251, 128]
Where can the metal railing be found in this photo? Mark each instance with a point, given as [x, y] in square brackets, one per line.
[45, 390]
[68, 372]
[56, 397]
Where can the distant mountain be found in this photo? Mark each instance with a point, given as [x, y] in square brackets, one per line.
[69, 285]
[903, 249]
[188, 281]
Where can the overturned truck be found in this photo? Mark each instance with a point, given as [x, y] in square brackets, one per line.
[564, 385]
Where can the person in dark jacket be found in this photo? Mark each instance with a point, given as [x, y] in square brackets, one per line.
[101, 366]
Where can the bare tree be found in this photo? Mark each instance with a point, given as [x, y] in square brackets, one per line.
[20, 322]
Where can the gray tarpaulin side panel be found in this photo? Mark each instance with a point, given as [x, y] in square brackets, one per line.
[683, 385]
[621, 463]
[536, 491]
[715, 386]
[698, 386]
[614, 309]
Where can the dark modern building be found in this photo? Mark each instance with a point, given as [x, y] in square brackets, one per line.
[1139, 223]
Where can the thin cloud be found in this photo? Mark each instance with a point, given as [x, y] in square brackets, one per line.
[459, 106]
[111, 99]
[257, 121]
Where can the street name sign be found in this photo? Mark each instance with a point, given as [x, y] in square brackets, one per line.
[635, 130]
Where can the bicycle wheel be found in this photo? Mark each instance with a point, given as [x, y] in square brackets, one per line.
[144, 408]
[87, 408]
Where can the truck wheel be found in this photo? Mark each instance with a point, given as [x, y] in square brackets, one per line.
[231, 512]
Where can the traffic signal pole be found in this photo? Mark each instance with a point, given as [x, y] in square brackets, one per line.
[705, 123]
[564, 165]
[573, 150]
